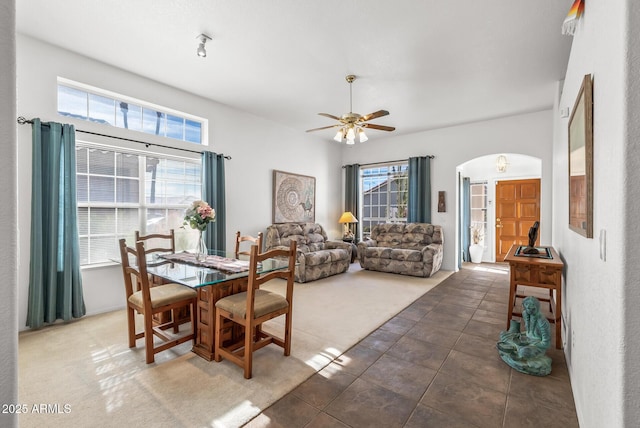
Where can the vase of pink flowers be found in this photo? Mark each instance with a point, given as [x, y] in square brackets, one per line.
[198, 216]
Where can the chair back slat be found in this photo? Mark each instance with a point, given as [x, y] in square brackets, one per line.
[158, 242]
[256, 257]
[247, 238]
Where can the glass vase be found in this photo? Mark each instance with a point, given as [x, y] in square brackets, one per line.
[201, 248]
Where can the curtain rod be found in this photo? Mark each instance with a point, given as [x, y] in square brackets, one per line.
[386, 162]
[22, 121]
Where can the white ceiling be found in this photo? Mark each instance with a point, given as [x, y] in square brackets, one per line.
[431, 63]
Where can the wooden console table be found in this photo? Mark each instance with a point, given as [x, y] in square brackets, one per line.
[537, 272]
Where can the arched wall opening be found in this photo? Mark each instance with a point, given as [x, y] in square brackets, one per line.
[485, 170]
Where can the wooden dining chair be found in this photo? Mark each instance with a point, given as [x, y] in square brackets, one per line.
[247, 238]
[252, 308]
[153, 300]
[159, 243]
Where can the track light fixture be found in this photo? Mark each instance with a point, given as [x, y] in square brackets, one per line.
[202, 52]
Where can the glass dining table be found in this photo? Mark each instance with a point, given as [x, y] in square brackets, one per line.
[218, 276]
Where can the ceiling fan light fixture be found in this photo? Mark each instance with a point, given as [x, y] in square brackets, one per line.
[351, 135]
[351, 125]
[362, 135]
[202, 51]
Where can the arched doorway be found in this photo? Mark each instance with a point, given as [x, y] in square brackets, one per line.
[477, 196]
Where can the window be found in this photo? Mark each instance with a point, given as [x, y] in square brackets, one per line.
[478, 205]
[119, 192]
[99, 106]
[385, 195]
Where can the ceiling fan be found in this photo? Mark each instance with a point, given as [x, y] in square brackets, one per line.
[352, 123]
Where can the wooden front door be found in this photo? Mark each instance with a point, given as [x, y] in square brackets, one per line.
[517, 208]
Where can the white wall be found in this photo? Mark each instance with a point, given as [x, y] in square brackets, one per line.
[257, 147]
[8, 214]
[601, 296]
[528, 134]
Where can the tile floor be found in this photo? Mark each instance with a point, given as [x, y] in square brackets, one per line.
[433, 365]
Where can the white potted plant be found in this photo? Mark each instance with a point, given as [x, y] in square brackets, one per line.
[476, 248]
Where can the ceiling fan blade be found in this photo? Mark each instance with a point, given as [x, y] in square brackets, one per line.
[324, 127]
[378, 127]
[330, 116]
[374, 115]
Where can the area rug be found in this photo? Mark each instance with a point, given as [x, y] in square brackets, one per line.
[83, 374]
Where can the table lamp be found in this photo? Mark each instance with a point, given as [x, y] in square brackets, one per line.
[346, 219]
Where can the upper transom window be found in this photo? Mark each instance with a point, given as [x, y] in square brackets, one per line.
[95, 105]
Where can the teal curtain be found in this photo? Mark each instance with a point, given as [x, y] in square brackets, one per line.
[352, 195]
[465, 205]
[213, 194]
[55, 284]
[419, 204]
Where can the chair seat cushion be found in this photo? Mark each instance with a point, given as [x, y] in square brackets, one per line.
[406, 255]
[265, 302]
[400, 254]
[316, 258]
[163, 295]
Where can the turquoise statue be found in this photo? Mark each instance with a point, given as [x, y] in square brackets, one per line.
[525, 351]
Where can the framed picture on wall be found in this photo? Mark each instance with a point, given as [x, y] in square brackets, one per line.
[581, 161]
[294, 198]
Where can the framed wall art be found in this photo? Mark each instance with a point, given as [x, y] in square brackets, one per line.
[294, 198]
[581, 161]
[442, 207]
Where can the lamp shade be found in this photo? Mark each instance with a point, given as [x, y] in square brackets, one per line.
[348, 217]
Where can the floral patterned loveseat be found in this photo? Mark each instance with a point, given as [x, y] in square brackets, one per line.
[317, 257]
[408, 249]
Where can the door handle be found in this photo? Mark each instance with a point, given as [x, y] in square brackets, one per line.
[498, 223]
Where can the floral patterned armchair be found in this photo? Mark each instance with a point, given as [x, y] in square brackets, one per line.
[317, 257]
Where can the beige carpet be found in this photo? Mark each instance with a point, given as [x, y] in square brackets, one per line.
[87, 376]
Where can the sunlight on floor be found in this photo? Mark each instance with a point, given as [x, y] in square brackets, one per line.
[244, 408]
[492, 270]
[318, 361]
[112, 379]
[330, 371]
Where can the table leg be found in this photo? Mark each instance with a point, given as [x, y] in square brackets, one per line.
[205, 315]
[205, 323]
[512, 296]
[558, 315]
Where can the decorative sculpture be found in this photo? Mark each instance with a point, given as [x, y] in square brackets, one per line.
[533, 235]
[525, 351]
